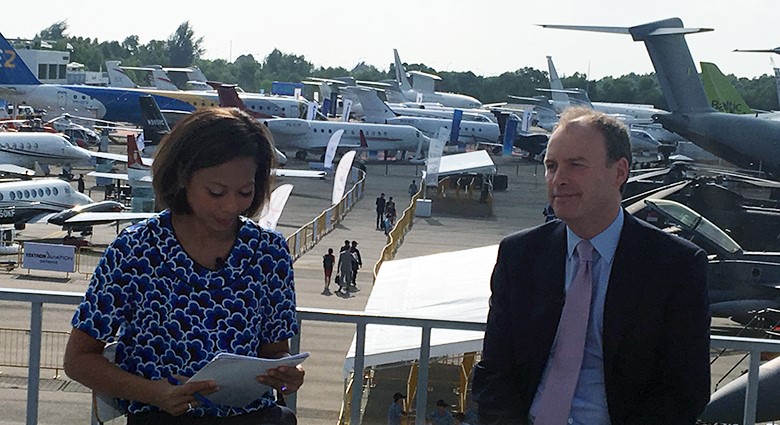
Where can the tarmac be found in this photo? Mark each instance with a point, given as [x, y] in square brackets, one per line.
[63, 401]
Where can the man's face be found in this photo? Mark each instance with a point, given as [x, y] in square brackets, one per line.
[582, 188]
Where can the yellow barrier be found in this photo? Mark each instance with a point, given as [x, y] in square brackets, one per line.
[396, 236]
[15, 348]
[305, 238]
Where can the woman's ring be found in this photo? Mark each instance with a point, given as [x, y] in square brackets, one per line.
[189, 407]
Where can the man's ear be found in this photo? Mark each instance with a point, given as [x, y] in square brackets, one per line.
[621, 168]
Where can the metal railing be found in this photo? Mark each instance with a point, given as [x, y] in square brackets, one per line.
[38, 298]
[307, 236]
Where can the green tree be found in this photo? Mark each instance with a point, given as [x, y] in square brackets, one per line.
[53, 32]
[183, 47]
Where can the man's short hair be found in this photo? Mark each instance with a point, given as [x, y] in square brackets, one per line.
[207, 138]
[616, 138]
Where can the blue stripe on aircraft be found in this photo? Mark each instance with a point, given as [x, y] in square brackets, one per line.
[123, 105]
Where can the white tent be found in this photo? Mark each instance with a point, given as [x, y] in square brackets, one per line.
[451, 285]
[469, 162]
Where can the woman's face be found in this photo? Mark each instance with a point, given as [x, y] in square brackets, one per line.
[219, 194]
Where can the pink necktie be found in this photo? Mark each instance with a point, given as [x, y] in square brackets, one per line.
[564, 370]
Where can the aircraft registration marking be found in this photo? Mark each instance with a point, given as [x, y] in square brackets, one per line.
[9, 61]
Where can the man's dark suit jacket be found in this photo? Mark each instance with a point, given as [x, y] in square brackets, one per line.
[655, 334]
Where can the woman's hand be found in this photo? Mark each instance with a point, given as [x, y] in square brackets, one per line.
[180, 399]
[286, 379]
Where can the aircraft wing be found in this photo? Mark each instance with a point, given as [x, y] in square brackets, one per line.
[15, 169]
[41, 218]
[299, 173]
[117, 157]
[95, 218]
[116, 176]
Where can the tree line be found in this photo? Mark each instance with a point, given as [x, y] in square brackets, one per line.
[183, 49]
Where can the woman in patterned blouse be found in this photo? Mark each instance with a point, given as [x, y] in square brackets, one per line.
[197, 279]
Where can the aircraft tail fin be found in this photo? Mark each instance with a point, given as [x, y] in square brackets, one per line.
[154, 123]
[162, 81]
[668, 50]
[722, 95]
[374, 109]
[133, 155]
[117, 76]
[400, 73]
[13, 70]
[228, 96]
[555, 84]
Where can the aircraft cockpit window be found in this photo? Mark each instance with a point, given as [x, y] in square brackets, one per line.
[67, 190]
[694, 221]
[48, 191]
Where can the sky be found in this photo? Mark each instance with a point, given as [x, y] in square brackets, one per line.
[486, 37]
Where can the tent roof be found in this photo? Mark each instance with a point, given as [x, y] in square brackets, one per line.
[469, 162]
[451, 285]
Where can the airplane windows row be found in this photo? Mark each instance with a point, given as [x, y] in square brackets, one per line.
[76, 97]
[21, 146]
[30, 193]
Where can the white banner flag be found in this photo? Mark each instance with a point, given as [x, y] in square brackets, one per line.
[330, 152]
[346, 110]
[340, 179]
[435, 150]
[273, 210]
[312, 111]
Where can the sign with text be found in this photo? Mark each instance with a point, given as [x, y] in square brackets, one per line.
[44, 256]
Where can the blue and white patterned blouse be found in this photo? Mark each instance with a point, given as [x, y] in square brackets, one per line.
[171, 315]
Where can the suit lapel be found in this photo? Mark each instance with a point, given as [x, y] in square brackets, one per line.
[625, 285]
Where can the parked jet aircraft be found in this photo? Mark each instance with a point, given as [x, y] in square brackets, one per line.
[304, 136]
[424, 87]
[561, 100]
[724, 97]
[743, 140]
[22, 149]
[377, 111]
[34, 201]
[19, 85]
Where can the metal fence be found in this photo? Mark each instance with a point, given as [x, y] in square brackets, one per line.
[300, 242]
[37, 299]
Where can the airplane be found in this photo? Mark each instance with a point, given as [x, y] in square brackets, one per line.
[377, 111]
[424, 89]
[691, 116]
[19, 85]
[25, 150]
[562, 99]
[305, 136]
[745, 206]
[723, 96]
[739, 282]
[775, 50]
[35, 201]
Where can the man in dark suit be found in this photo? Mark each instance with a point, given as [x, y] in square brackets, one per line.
[645, 358]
